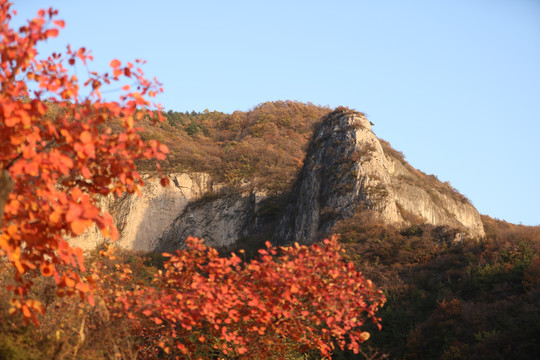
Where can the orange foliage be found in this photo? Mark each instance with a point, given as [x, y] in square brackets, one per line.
[59, 161]
[204, 306]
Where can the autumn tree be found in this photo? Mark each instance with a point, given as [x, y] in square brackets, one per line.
[62, 145]
[54, 163]
[289, 299]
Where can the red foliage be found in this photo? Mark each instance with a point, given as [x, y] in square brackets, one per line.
[59, 161]
[294, 298]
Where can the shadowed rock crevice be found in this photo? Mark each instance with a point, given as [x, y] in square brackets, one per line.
[220, 221]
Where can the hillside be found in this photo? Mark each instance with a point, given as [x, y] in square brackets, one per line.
[472, 300]
[459, 285]
[447, 297]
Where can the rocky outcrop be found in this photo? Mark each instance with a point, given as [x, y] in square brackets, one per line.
[348, 169]
[162, 218]
[220, 219]
[142, 220]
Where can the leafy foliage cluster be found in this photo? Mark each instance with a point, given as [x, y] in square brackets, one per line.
[288, 299]
[59, 161]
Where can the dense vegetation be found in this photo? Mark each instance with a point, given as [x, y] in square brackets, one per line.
[199, 305]
[447, 299]
[265, 145]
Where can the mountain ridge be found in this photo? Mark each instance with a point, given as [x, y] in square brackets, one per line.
[246, 201]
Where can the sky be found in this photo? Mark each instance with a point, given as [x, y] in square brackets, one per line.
[453, 84]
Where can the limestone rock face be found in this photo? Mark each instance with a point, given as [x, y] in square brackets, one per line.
[348, 168]
[163, 217]
[143, 220]
[220, 220]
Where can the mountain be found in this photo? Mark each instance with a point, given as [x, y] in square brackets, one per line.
[459, 285]
[346, 170]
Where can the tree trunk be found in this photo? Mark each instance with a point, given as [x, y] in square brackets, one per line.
[6, 186]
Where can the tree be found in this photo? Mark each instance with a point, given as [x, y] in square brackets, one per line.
[204, 306]
[59, 149]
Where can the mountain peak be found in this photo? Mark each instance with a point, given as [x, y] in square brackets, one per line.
[348, 169]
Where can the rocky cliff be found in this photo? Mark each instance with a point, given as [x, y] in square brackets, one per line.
[347, 169]
[142, 220]
[222, 220]
[193, 205]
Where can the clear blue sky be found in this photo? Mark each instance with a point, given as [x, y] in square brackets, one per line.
[453, 84]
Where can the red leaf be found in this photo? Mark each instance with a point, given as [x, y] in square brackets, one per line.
[47, 269]
[115, 63]
[163, 148]
[86, 172]
[86, 137]
[79, 226]
[83, 287]
[69, 282]
[26, 311]
[74, 212]
[52, 33]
